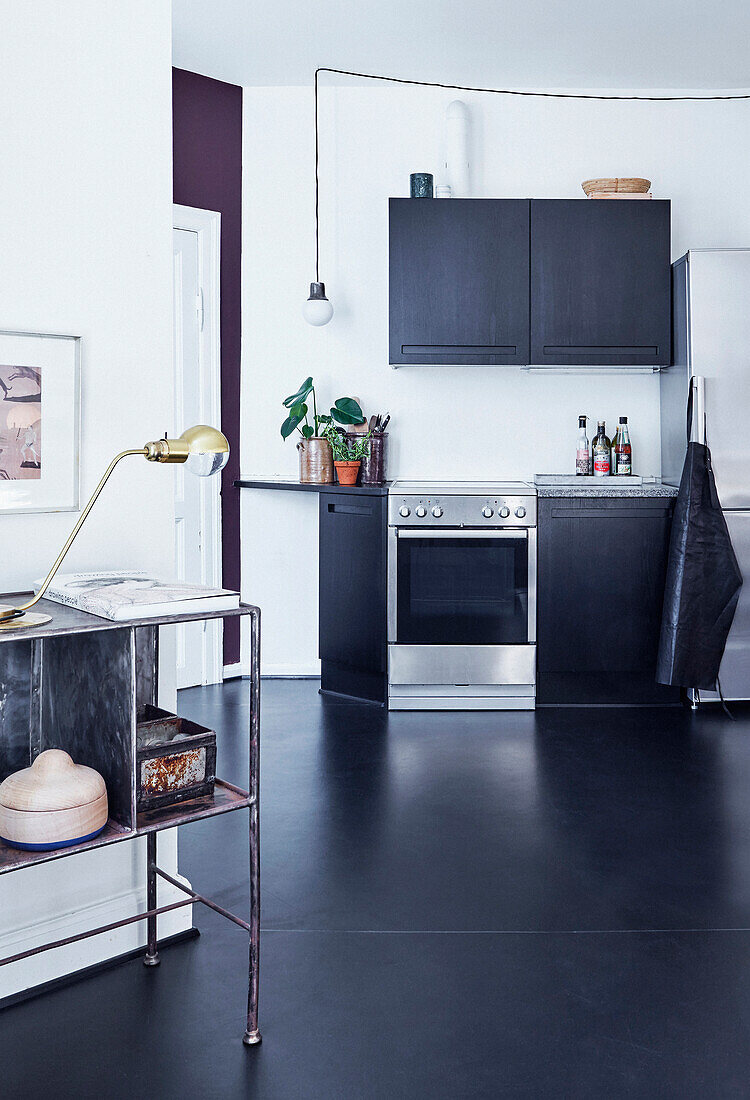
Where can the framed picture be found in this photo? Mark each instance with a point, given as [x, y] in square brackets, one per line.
[40, 379]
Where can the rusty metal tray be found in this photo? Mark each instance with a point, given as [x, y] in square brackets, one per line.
[175, 759]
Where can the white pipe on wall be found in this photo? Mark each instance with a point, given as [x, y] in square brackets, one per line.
[457, 173]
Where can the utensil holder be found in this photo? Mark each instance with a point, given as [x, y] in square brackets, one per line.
[373, 464]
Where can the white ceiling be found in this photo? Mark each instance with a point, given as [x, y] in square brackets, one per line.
[524, 43]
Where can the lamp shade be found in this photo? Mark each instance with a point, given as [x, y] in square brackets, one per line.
[317, 309]
[208, 450]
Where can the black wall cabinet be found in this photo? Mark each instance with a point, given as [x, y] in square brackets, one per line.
[601, 568]
[556, 282]
[600, 282]
[352, 607]
[459, 281]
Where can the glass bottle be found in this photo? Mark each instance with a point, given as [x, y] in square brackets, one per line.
[601, 452]
[583, 459]
[622, 451]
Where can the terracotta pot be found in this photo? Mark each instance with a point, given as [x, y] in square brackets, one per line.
[347, 472]
[315, 461]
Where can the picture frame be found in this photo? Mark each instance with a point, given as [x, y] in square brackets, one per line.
[40, 421]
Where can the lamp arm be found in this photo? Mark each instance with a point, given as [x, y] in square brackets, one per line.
[81, 519]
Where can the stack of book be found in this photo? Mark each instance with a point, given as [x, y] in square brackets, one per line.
[132, 595]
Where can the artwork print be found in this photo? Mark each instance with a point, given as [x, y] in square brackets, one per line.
[20, 423]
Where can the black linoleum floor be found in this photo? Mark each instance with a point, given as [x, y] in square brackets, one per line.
[550, 904]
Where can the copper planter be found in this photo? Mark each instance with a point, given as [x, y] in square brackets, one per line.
[315, 461]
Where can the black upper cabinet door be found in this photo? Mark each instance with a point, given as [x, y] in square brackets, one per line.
[600, 282]
[459, 281]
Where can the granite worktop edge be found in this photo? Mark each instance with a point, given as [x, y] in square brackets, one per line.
[654, 490]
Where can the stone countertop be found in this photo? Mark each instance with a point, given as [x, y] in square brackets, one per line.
[606, 489]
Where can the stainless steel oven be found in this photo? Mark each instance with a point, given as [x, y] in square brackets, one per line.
[461, 596]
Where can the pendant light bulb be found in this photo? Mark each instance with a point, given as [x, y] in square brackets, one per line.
[317, 310]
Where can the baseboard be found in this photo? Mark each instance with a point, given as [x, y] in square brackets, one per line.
[72, 959]
[95, 968]
[241, 671]
[301, 670]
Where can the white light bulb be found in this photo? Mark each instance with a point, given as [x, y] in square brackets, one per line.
[317, 310]
[206, 463]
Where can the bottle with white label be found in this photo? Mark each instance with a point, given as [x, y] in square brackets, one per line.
[583, 456]
[601, 452]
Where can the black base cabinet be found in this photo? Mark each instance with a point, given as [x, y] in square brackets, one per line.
[352, 606]
[601, 568]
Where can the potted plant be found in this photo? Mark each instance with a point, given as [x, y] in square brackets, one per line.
[315, 459]
[348, 452]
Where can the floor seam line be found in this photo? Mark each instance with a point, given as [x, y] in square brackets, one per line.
[501, 931]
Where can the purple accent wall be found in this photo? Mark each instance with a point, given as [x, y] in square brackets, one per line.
[207, 173]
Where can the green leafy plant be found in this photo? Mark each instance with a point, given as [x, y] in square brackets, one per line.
[345, 448]
[343, 411]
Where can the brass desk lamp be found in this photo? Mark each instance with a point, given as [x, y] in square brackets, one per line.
[204, 451]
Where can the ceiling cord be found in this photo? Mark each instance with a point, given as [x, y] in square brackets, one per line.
[491, 91]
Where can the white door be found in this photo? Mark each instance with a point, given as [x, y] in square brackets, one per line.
[197, 500]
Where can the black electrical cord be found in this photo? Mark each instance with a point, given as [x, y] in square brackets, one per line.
[490, 91]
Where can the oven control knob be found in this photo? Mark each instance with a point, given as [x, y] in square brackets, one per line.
[404, 511]
[421, 511]
[487, 512]
[520, 511]
[437, 511]
[504, 512]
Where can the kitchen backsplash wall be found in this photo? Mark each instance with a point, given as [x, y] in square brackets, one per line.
[467, 422]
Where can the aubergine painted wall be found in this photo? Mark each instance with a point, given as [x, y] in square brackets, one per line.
[207, 173]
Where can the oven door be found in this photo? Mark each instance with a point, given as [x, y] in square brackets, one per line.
[462, 587]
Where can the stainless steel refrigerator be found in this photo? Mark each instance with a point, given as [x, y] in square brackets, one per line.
[711, 344]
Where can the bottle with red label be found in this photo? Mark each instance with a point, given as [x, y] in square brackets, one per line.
[622, 452]
[601, 451]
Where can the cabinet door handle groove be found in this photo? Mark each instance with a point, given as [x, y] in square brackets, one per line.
[350, 509]
[458, 349]
[600, 349]
[610, 513]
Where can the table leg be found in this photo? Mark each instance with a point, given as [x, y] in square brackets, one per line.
[252, 1035]
[152, 953]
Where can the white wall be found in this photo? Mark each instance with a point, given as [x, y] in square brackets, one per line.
[85, 224]
[461, 422]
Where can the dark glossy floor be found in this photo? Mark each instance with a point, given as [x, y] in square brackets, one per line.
[454, 905]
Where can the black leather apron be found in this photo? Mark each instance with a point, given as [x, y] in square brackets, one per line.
[703, 578]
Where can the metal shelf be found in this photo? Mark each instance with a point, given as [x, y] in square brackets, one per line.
[51, 679]
[226, 798]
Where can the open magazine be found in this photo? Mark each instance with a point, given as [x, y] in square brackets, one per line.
[132, 595]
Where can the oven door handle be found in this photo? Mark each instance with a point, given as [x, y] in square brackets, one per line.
[462, 533]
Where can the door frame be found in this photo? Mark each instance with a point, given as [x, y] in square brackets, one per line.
[206, 224]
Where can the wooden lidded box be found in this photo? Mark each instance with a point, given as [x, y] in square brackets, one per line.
[175, 759]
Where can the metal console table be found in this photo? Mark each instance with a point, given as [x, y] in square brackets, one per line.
[74, 684]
